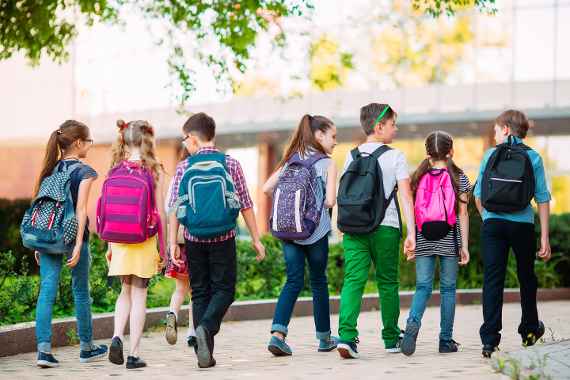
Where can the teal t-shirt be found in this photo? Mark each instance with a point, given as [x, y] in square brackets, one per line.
[541, 193]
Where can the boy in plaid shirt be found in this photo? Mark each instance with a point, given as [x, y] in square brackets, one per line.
[212, 262]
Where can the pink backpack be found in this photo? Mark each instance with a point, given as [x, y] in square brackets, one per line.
[435, 205]
[126, 211]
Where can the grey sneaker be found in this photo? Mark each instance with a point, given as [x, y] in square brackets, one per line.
[278, 347]
[98, 352]
[398, 346]
[329, 344]
[171, 332]
[410, 337]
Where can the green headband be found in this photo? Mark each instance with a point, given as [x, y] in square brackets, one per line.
[381, 115]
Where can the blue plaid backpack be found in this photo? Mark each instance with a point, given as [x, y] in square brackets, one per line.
[50, 224]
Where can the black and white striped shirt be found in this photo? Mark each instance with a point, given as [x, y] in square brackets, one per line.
[445, 246]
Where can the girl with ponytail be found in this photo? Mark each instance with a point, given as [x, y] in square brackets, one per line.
[66, 147]
[135, 263]
[449, 244]
[315, 135]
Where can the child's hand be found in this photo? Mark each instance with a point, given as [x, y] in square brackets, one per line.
[410, 256]
[72, 262]
[464, 256]
[175, 255]
[260, 249]
[410, 244]
[108, 255]
[37, 257]
[544, 253]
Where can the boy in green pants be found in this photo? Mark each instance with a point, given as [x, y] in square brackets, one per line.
[381, 242]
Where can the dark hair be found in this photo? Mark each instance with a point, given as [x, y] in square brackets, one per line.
[370, 112]
[438, 147]
[202, 125]
[59, 141]
[516, 121]
[303, 139]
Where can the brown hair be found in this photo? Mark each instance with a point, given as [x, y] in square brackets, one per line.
[201, 124]
[370, 112]
[59, 141]
[303, 139]
[438, 147]
[140, 134]
[516, 121]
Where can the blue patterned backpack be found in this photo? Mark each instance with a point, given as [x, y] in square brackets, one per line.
[50, 224]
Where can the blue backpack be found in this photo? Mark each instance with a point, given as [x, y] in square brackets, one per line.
[50, 224]
[207, 204]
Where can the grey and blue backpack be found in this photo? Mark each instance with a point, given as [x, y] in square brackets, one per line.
[50, 224]
[295, 213]
[207, 204]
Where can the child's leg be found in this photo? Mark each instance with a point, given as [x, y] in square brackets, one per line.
[178, 296]
[82, 299]
[425, 266]
[138, 313]
[317, 256]
[447, 280]
[495, 251]
[199, 270]
[50, 269]
[122, 308]
[523, 241]
[356, 267]
[294, 256]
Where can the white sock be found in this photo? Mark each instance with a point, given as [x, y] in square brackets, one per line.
[191, 332]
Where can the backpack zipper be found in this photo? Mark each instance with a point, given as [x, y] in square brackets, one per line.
[506, 180]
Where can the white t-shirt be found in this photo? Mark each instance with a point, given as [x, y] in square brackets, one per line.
[394, 168]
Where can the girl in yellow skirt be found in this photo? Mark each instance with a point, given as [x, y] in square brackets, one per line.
[135, 263]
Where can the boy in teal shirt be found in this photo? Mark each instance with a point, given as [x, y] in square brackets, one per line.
[504, 230]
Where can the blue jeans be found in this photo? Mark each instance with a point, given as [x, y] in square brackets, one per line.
[425, 267]
[50, 269]
[317, 255]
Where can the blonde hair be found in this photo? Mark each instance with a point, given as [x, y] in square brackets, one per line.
[140, 134]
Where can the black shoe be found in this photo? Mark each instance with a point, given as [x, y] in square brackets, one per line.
[116, 351]
[191, 340]
[46, 360]
[448, 346]
[135, 362]
[529, 339]
[410, 336]
[205, 346]
[488, 350]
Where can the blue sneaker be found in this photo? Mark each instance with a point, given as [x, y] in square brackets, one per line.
[410, 337]
[328, 344]
[278, 347]
[96, 353]
[46, 360]
[347, 350]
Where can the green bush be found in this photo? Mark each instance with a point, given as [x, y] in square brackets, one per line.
[11, 214]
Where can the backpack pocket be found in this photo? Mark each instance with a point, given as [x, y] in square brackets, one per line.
[436, 230]
[356, 213]
[505, 191]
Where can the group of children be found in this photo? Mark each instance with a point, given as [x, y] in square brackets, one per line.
[209, 190]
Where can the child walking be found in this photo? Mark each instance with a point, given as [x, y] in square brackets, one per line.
[180, 275]
[132, 227]
[440, 191]
[306, 164]
[510, 176]
[208, 193]
[66, 179]
[370, 219]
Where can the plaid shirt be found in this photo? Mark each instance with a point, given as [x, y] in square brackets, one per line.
[240, 184]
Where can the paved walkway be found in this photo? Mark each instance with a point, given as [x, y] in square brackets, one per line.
[241, 352]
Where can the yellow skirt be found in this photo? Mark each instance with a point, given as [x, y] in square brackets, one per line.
[139, 259]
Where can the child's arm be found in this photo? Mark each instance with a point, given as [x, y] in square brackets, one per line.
[159, 199]
[464, 223]
[249, 217]
[408, 205]
[479, 205]
[544, 215]
[81, 214]
[330, 200]
[270, 184]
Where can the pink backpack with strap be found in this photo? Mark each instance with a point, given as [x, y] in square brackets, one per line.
[126, 211]
[434, 206]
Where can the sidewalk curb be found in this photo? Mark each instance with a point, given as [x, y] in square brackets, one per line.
[20, 338]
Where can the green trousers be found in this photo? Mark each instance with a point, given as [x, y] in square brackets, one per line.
[382, 247]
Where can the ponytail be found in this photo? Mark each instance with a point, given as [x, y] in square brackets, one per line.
[303, 139]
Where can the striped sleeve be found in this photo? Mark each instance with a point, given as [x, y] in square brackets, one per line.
[464, 184]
